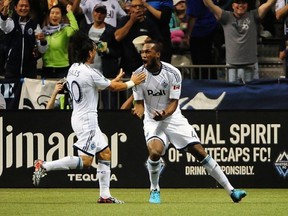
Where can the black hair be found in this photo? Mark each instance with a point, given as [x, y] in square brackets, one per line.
[79, 46]
[157, 45]
[60, 6]
[17, 1]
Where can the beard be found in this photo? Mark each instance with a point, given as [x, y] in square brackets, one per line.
[152, 65]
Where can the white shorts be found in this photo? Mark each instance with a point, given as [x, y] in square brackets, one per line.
[91, 142]
[175, 131]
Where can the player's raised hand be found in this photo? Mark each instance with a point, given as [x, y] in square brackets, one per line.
[137, 78]
[119, 77]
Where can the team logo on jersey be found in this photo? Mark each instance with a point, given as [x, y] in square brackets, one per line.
[92, 146]
[164, 84]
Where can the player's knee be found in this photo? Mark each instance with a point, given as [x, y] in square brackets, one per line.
[154, 154]
[87, 162]
[104, 155]
[197, 151]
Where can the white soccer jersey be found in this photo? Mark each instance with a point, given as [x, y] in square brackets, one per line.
[158, 89]
[84, 83]
[114, 10]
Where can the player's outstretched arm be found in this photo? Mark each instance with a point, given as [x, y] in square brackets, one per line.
[118, 85]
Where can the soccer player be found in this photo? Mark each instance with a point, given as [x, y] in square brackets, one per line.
[84, 83]
[156, 100]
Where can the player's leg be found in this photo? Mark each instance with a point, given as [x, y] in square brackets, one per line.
[103, 172]
[66, 163]
[155, 149]
[182, 133]
[210, 165]
[103, 175]
[154, 166]
[215, 171]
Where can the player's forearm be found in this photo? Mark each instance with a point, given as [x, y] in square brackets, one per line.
[170, 109]
[121, 86]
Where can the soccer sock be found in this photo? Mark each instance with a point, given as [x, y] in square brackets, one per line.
[66, 163]
[154, 173]
[215, 171]
[103, 174]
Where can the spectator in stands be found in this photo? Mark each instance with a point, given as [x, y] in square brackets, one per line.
[108, 52]
[178, 24]
[3, 52]
[125, 4]
[40, 8]
[2, 102]
[267, 27]
[241, 36]
[114, 10]
[58, 33]
[59, 87]
[130, 27]
[24, 48]
[282, 15]
[281, 9]
[160, 11]
[201, 30]
[3, 46]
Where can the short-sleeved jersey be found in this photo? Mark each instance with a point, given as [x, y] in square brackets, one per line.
[240, 37]
[205, 21]
[158, 89]
[114, 10]
[84, 83]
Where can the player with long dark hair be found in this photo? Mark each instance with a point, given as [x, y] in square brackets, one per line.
[84, 83]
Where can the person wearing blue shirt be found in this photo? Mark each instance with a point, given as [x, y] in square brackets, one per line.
[202, 26]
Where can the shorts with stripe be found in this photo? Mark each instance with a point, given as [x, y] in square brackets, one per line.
[91, 141]
[175, 131]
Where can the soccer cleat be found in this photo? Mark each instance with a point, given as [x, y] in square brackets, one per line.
[155, 196]
[237, 195]
[109, 200]
[39, 172]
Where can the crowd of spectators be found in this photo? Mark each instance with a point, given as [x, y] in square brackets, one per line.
[33, 31]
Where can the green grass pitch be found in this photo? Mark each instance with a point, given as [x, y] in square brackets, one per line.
[202, 202]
